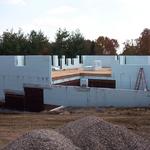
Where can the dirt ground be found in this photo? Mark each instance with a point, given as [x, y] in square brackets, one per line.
[14, 124]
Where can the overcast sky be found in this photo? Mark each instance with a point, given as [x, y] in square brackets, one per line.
[120, 19]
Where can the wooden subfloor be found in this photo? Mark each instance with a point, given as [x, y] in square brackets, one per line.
[103, 72]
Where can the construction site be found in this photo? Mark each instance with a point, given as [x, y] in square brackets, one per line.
[118, 81]
[110, 95]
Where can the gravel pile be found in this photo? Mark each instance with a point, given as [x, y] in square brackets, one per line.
[92, 133]
[41, 140]
[89, 133]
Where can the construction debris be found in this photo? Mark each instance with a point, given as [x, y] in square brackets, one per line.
[58, 109]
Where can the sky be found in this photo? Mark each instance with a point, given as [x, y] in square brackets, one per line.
[119, 19]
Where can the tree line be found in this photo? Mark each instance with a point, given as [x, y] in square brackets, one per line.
[139, 46]
[69, 44]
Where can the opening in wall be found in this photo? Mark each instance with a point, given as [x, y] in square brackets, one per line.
[80, 59]
[70, 83]
[52, 59]
[91, 83]
[72, 61]
[66, 61]
[102, 83]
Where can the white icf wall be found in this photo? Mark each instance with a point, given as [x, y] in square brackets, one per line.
[136, 60]
[36, 70]
[69, 64]
[126, 75]
[144, 60]
[106, 61]
[79, 96]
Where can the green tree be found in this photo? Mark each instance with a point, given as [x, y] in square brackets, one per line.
[13, 43]
[68, 44]
[144, 42]
[60, 46]
[38, 43]
[106, 46]
[139, 46]
[130, 47]
[89, 47]
[1, 45]
[76, 44]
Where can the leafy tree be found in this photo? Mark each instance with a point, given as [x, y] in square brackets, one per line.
[106, 46]
[130, 47]
[76, 44]
[89, 47]
[92, 48]
[1, 45]
[144, 42]
[66, 43]
[61, 42]
[18, 43]
[140, 46]
[38, 43]
[13, 43]
[69, 44]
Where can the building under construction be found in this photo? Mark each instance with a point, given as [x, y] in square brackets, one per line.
[29, 82]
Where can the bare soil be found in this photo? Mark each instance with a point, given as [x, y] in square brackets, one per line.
[14, 124]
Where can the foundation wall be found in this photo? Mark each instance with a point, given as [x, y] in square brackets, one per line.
[36, 70]
[126, 75]
[106, 61]
[66, 63]
[79, 96]
[91, 83]
[135, 60]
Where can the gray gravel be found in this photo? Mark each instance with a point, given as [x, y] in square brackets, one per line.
[89, 133]
[92, 133]
[41, 140]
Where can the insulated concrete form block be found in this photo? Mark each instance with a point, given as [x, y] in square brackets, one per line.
[78, 96]
[55, 60]
[65, 95]
[134, 60]
[76, 61]
[121, 60]
[63, 62]
[106, 61]
[137, 60]
[69, 61]
[69, 64]
[149, 60]
[126, 75]
[57, 95]
[37, 70]
[35, 66]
